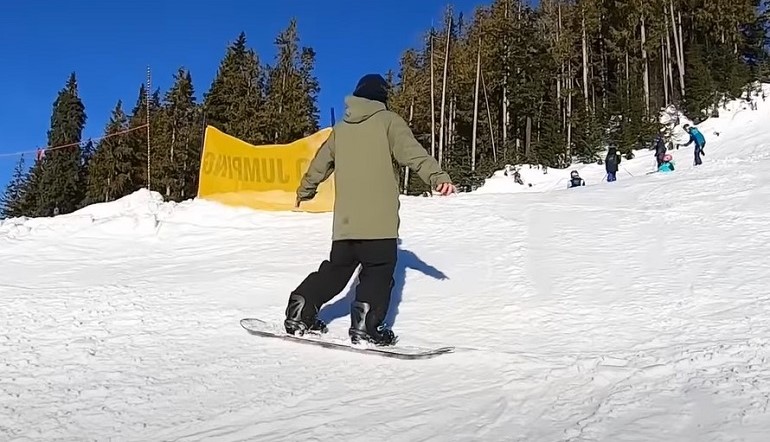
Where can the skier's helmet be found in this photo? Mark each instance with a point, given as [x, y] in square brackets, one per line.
[574, 174]
[667, 157]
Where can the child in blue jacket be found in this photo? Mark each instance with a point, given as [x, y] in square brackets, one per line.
[699, 140]
[667, 165]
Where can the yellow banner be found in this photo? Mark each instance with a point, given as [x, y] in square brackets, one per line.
[265, 177]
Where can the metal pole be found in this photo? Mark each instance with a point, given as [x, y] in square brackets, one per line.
[147, 104]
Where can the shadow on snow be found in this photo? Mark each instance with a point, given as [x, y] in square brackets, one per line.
[406, 260]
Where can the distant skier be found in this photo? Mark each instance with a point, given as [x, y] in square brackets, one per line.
[612, 163]
[700, 142]
[575, 180]
[660, 149]
[667, 165]
[359, 151]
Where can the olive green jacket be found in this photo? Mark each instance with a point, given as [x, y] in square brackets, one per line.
[359, 151]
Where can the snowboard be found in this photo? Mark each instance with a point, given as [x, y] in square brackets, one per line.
[262, 328]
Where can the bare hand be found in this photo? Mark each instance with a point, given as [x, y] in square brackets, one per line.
[446, 189]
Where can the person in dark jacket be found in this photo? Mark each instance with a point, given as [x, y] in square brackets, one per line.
[575, 180]
[612, 163]
[660, 150]
[360, 151]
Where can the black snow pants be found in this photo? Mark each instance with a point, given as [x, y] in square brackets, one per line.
[377, 258]
[697, 151]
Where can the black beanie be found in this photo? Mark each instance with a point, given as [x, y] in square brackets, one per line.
[372, 87]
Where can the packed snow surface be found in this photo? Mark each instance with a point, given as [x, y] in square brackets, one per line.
[626, 311]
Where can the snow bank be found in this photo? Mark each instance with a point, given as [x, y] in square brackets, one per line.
[134, 213]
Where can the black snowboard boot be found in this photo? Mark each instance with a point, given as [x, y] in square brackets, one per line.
[366, 324]
[302, 317]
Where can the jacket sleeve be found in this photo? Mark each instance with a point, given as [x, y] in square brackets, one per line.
[318, 171]
[407, 151]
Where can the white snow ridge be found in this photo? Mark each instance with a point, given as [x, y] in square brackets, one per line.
[637, 310]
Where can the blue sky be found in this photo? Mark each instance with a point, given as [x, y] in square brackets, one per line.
[109, 45]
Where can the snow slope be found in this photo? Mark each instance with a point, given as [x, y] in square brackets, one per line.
[626, 311]
[644, 161]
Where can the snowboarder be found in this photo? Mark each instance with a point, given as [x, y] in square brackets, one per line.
[575, 180]
[700, 142]
[359, 151]
[612, 163]
[660, 149]
[667, 165]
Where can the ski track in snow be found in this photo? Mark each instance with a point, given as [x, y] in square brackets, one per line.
[628, 311]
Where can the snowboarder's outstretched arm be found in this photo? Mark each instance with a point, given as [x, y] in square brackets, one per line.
[407, 151]
[320, 168]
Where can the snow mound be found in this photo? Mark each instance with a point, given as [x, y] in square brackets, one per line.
[137, 212]
[140, 203]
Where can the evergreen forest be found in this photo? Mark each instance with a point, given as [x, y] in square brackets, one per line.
[546, 86]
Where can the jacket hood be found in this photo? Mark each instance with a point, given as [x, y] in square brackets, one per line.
[359, 109]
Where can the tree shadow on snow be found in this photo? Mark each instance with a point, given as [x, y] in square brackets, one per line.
[406, 260]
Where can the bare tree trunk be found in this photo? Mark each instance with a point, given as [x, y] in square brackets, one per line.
[585, 62]
[406, 169]
[670, 63]
[489, 118]
[562, 112]
[681, 40]
[518, 76]
[451, 128]
[676, 47]
[604, 71]
[592, 89]
[528, 138]
[663, 71]
[628, 78]
[432, 103]
[476, 108]
[505, 86]
[443, 96]
[561, 74]
[569, 114]
[646, 68]
[679, 48]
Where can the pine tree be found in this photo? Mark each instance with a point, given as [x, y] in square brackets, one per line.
[111, 169]
[234, 103]
[137, 139]
[55, 184]
[11, 202]
[180, 157]
[291, 111]
[86, 155]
